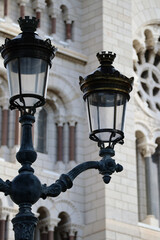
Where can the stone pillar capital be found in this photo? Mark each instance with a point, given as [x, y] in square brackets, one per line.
[3, 215]
[52, 223]
[72, 121]
[4, 212]
[5, 103]
[68, 21]
[38, 5]
[48, 223]
[60, 124]
[65, 235]
[72, 231]
[53, 11]
[22, 2]
[43, 230]
[60, 120]
[147, 149]
[68, 18]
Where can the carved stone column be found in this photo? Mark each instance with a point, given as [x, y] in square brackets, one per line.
[72, 141]
[44, 234]
[3, 217]
[65, 235]
[52, 223]
[68, 29]
[38, 6]
[46, 227]
[4, 141]
[5, 8]
[151, 184]
[2, 229]
[22, 4]
[53, 25]
[50, 232]
[16, 137]
[38, 16]
[50, 235]
[60, 142]
[53, 14]
[72, 234]
[68, 18]
[156, 158]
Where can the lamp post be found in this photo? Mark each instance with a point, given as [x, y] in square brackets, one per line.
[27, 58]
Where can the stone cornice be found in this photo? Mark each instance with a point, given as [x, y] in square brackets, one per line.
[8, 28]
[71, 55]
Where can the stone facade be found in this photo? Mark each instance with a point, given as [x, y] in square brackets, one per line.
[128, 207]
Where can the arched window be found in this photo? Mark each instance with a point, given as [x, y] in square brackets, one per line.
[147, 181]
[41, 231]
[64, 230]
[147, 70]
[42, 131]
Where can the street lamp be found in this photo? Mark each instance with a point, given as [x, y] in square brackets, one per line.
[27, 58]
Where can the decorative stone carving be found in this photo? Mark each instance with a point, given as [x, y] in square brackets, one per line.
[147, 69]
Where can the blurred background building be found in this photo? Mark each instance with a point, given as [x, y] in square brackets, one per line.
[129, 207]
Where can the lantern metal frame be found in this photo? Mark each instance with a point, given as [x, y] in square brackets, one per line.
[26, 189]
[106, 79]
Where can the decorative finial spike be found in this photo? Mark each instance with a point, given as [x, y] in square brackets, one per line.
[106, 58]
[28, 24]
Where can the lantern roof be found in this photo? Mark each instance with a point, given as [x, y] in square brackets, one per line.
[106, 77]
[28, 43]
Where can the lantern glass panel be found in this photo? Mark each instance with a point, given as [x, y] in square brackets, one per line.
[27, 77]
[105, 114]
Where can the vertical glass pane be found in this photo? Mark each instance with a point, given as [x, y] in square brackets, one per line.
[106, 113]
[33, 73]
[13, 79]
[120, 111]
[29, 75]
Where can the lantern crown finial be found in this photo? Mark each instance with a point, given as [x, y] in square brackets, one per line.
[28, 24]
[106, 58]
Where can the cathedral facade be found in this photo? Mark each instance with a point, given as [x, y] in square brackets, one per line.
[128, 207]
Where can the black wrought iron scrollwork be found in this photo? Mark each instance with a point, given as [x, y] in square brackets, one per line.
[106, 166]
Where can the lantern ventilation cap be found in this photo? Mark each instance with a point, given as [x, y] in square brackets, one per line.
[28, 24]
[106, 58]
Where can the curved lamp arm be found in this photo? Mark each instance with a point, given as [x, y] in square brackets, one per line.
[106, 167]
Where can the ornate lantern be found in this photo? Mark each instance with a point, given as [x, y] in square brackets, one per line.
[27, 58]
[106, 92]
